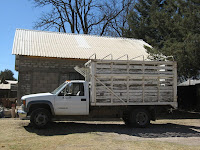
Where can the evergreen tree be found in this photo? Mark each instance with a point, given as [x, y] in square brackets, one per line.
[172, 27]
[7, 75]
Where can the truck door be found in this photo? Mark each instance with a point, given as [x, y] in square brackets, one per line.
[60, 104]
[72, 100]
[76, 99]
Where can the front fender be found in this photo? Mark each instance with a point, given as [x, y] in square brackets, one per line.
[40, 102]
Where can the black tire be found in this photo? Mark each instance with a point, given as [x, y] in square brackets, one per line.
[126, 120]
[40, 118]
[139, 118]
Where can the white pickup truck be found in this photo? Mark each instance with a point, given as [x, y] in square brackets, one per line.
[135, 91]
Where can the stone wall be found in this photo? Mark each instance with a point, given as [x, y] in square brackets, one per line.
[40, 74]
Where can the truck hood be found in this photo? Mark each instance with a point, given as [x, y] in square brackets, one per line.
[38, 96]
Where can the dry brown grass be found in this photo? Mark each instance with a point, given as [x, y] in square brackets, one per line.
[162, 134]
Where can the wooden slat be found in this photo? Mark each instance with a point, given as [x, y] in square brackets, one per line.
[151, 99]
[146, 96]
[124, 95]
[175, 82]
[134, 62]
[133, 67]
[136, 87]
[93, 90]
[122, 76]
[101, 90]
[128, 92]
[131, 71]
[133, 82]
[134, 94]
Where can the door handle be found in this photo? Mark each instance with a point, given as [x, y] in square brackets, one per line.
[68, 97]
[83, 99]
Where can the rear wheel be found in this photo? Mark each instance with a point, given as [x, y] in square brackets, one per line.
[139, 118]
[40, 118]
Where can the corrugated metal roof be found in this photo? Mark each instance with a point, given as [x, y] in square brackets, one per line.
[67, 45]
[5, 86]
[9, 85]
[11, 81]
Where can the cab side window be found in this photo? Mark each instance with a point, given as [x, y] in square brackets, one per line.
[76, 89]
[73, 89]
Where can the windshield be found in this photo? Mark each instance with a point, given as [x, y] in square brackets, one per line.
[58, 88]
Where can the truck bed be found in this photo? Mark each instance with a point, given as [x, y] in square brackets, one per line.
[120, 82]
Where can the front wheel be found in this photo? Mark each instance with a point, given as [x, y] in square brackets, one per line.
[139, 118]
[40, 118]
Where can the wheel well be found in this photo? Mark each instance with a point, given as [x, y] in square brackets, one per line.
[36, 106]
[150, 109]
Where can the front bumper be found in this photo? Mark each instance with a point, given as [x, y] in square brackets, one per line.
[22, 115]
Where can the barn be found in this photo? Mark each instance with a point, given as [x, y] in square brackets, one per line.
[46, 59]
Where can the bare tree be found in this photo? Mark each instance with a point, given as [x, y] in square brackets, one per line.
[83, 16]
[116, 24]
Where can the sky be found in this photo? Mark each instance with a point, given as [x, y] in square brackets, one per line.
[14, 14]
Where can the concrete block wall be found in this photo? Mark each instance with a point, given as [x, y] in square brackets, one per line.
[40, 74]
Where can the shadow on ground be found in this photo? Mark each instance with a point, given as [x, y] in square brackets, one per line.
[153, 131]
[180, 114]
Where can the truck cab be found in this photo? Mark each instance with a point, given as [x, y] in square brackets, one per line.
[70, 98]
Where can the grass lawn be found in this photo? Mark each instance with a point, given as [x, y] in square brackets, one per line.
[161, 135]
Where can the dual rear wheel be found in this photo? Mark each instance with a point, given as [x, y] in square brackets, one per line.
[137, 118]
